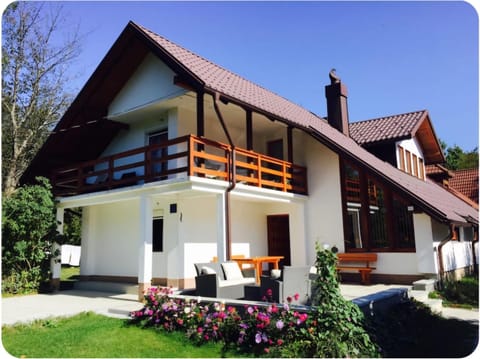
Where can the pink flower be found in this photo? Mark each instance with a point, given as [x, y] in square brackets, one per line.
[269, 292]
[279, 341]
[296, 296]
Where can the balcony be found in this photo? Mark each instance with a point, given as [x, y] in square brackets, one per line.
[188, 155]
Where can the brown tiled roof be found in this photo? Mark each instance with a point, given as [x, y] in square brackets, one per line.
[466, 182]
[437, 169]
[396, 127]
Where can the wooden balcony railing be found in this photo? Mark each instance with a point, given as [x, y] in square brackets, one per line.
[188, 154]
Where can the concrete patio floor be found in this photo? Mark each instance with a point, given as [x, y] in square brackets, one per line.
[70, 302]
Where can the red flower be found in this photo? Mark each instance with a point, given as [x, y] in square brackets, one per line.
[279, 341]
[296, 296]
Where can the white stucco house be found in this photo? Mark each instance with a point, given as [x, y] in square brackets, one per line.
[174, 160]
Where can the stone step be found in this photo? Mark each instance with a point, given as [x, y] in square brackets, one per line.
[419, 295]
[427, 285]
[109, 287]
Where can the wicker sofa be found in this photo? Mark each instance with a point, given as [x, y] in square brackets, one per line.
[222, 280]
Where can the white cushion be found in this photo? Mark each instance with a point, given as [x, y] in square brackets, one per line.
[231, 282]
[275, 273]
[232, 271]
[208, 270]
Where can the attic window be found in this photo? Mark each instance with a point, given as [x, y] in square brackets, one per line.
[415, 165]
[401, 157]
[408, 156]
[421, 168]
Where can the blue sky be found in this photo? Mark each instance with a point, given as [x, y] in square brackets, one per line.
[394, 57]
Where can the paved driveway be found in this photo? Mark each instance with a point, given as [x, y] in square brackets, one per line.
[66, 303]
[70, 302]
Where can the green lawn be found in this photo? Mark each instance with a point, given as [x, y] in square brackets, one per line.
[95, 336]
[69, 273]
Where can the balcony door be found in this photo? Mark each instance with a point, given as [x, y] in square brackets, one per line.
[159, 169]
[278, 233]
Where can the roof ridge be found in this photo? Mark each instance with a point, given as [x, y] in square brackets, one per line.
[389, 116]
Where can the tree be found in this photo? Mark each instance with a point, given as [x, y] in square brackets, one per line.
[457, 158]
[36, 53]
[29, 228]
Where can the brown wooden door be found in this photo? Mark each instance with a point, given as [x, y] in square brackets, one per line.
[278, 232]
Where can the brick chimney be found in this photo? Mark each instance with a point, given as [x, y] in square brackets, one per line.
[337, 108]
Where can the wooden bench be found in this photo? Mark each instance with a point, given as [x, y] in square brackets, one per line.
[357, 262]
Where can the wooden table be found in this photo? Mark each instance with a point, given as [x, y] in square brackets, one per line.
[257, 262]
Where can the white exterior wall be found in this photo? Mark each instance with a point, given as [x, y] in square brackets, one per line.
[397, 263]
[152, 81]
[323, 210]
[110, 243]
[424, 232]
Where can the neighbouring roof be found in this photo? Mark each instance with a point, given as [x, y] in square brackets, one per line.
[438, 169]
[466, 182]
[203, 75]
[400, 127]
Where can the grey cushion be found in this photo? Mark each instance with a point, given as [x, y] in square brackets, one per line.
[232, 271]
[216, 267]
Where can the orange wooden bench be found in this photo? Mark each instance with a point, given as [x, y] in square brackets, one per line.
[360, 262]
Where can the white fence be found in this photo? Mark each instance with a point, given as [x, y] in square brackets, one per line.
[71, 255]
[458, 255]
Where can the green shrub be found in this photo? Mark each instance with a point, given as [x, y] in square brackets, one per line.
[29, 228]
[462, 293]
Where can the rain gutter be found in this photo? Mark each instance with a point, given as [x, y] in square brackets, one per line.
[231, 177]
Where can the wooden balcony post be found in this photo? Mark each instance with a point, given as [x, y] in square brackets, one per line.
[190, 149]
[259, 166]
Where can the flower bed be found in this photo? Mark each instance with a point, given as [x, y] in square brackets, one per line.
[257, 329]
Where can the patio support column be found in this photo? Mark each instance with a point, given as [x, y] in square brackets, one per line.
[221, 228]
[56, 261]
[249, 126]
[145, 246]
